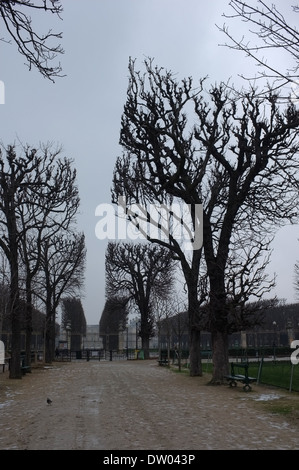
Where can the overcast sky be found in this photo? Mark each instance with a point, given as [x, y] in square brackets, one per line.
[82, 111]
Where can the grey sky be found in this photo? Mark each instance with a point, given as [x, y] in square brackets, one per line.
[82, 111]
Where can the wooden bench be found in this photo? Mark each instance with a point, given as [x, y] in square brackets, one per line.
[163, 361]
[25, 369]
[234, 377]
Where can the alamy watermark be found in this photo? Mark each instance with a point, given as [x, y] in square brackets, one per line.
[180, 222]
[2, 92]
[295, 344]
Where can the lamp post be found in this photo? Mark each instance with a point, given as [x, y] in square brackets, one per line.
[274, 342]
[290, 331]
[68, 335]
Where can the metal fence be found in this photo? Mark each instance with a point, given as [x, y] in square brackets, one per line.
[99, 354]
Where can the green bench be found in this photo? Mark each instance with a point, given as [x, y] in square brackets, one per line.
[235, 377]
[25, 369]
[163, 359]
[163, 362]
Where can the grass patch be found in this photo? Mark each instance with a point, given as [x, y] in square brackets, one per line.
[276, 373]
[281, 409]
[279, 374]
[287, 407]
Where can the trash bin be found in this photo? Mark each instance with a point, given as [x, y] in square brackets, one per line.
[78, 354]
[140, 354]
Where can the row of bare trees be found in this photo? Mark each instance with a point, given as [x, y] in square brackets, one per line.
[39, 201]
[234, 152]
[39, 198]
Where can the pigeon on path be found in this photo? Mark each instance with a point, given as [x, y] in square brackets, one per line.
[49, 401]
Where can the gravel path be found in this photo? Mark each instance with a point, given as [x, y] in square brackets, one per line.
[137, 405]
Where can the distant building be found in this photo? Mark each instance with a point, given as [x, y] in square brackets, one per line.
[129, 337]
[278, 328]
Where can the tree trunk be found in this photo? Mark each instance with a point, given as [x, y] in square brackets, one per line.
[219, 329]
[50, 338]
[220, 356]
[15, 360]
[145, 347]
[194, 351]
[194, 331]
[28, 324]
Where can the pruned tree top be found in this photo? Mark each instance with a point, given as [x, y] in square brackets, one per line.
[73, 314]
[114, 315]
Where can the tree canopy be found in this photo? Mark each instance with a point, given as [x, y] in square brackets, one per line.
[237, 155]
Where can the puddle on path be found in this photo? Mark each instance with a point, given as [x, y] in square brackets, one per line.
[267, 396]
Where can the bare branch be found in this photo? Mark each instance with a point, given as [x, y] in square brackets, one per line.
[38, 49]
[273, 33]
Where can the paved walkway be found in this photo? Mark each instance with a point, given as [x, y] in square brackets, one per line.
[136, 405]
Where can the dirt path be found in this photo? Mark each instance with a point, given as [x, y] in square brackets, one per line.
[136, 405]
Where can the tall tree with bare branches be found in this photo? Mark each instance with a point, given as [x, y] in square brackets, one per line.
[39, 198]
[139, 273]
[236, 157]
[62, 273]
[15, 178]
[49, 203]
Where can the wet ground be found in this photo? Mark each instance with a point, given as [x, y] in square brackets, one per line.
[137, 405]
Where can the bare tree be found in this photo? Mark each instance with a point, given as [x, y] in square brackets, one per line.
[38, 198]
[15, 178]
[38, 49]
[272, 32]
[239, 158]
[62, 273]
[153, 159]
[45, 210]
[138, 272]
[245, 277]
[163, 311]
[172, 319]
